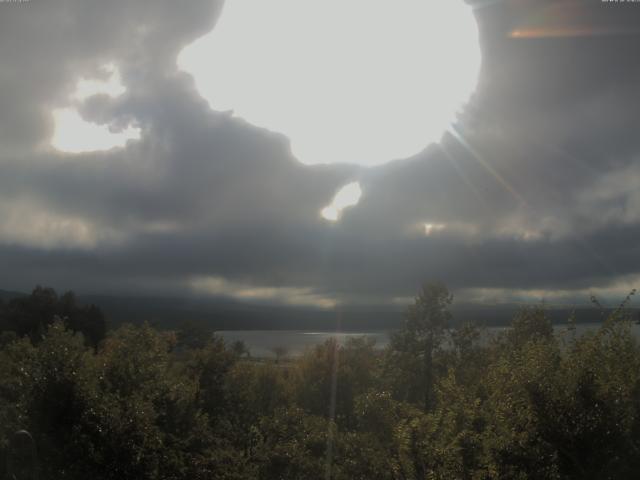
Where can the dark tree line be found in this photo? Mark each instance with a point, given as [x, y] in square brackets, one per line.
[30, 316]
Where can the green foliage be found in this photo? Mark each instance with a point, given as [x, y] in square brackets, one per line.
[193, 334]
[529, 324]
[413, 348]
[438, 403]
[292, 445]
[333, 376]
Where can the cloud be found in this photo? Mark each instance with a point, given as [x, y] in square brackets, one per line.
[535, 193]
[31, 225]
[293, 296]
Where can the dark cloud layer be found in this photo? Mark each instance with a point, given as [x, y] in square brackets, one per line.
[534, 189]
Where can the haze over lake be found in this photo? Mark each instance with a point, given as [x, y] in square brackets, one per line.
[261, 343]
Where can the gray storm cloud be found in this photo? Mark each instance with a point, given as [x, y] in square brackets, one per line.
[537, 191]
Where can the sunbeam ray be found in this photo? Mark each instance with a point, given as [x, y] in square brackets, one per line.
[481, 161]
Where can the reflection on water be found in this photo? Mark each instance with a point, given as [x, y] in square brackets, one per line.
[261, 343]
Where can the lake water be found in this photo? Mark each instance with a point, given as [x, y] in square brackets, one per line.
[262, 342]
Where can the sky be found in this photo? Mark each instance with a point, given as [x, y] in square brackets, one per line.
[529, 194]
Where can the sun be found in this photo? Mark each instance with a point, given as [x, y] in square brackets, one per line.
[348, 81]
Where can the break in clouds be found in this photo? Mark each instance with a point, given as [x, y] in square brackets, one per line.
[361, 81]
[533, 188]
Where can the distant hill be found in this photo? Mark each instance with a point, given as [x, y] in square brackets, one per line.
[222, 314]
[502, 315]
[225, 314]
[6, 295]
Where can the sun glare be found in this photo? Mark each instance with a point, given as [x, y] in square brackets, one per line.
[431, 228]
[353, 81]
[347, 196]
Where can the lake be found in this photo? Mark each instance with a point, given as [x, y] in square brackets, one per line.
[262, 342]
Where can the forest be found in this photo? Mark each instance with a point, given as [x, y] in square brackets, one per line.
[443, 401]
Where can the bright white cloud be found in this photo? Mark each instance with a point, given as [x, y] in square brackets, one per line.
[358, 81]
[295, 296]
[73, 134]
[347, 196]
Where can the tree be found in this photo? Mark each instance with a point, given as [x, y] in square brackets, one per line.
[280, 352]
[193, 334]
[240, 349]
[328, 378]
[413, 347]
[209, 367]
[293, 445]
[530, 323]
[31, 316]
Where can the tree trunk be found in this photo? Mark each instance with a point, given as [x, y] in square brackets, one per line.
[428, 373]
